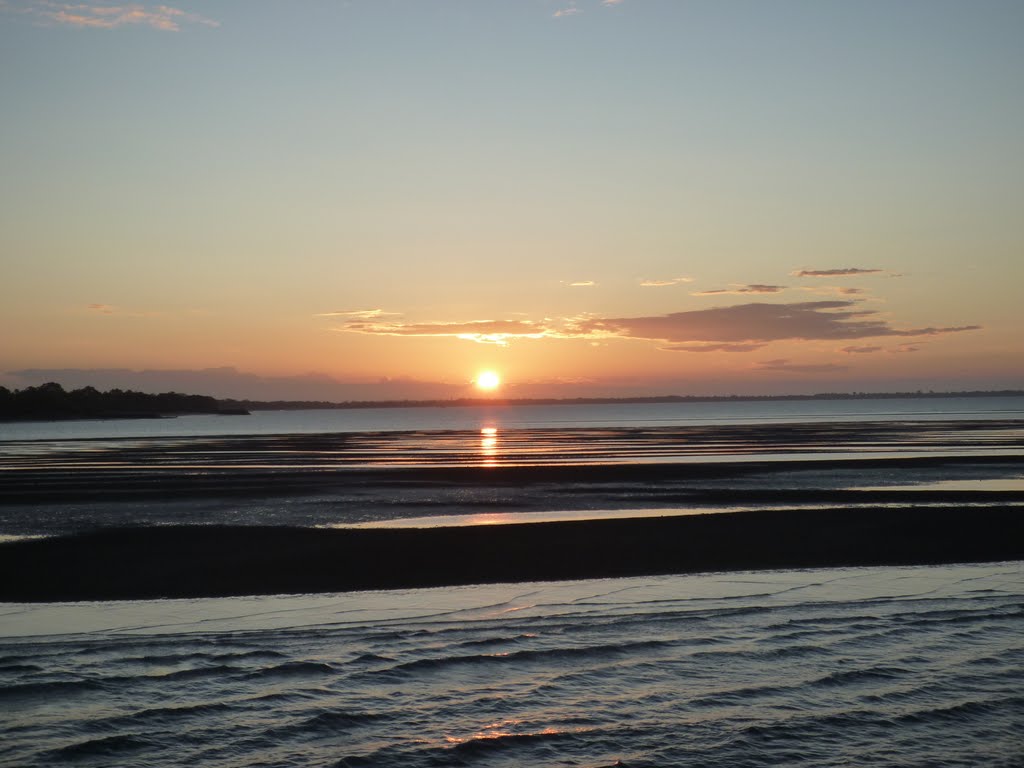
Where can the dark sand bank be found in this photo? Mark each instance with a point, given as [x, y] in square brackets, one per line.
[54, 485]
[63, 501]
[208, 561]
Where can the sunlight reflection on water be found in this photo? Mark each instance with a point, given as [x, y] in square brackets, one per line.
[976, 484]
[516, 518]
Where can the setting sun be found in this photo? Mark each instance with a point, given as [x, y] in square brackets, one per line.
[488, 380]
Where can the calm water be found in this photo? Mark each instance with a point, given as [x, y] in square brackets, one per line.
[845, 667]
[541, 416]
[873, 666]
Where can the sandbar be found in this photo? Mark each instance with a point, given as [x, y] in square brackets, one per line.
[192, 561]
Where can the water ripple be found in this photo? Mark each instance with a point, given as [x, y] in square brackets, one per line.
[806, 668]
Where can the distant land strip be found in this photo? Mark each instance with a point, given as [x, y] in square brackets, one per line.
[51, 402]
[274, 405]
[214, 561]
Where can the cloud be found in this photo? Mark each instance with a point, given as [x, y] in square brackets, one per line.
[738, 328]
[783, 364]
[364, 314]
[105, 16]
[110, 309]
[739, 289]
[830, 290]
[757, 322]
[570, 10]
[937, 331]
[712, 347]
[663, 283]
[844, 272]
[582, 284]
[860, 350]
[481, 331]
[909, 346]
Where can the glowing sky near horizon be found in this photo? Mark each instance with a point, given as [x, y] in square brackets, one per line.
[587, 198]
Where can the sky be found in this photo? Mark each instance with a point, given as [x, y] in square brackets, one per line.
[381, 199]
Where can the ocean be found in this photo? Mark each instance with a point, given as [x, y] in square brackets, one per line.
[525, 417]
[890, 665]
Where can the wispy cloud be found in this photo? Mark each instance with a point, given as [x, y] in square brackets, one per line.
[933, 331]
[665, 283]
[572, 8]
[843, 272]
[712, 347]
[481, 331]
[909, 346]
[740, 289]
[860, 350]
[785, 366]
[830, 290]
[109, 16]
[363, 314]
[582, 284]
[113, 311]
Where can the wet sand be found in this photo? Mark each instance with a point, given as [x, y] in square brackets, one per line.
[210, 561]
[194, 517]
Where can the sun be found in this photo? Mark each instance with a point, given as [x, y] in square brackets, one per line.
[488, 381]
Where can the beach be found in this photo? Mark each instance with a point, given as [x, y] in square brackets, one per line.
[274, 514]
[822, 592]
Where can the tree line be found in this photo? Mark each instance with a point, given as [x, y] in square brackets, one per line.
[52, 401]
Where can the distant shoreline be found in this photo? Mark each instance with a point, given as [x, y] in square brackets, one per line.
[283, 405]
[50, 402]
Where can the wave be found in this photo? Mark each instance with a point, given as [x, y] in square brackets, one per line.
[293, 669]
[327, 723]
[541, 655]
[288, 699]
[857, 676]
[105, 746]
[767, 654]
[508, 742]
[543, 746]
[499, 640]
[194, 673]
[200, 656]
[48, 689]
[740, 696]
[166, 715]
[1007, 707]
[367, 658]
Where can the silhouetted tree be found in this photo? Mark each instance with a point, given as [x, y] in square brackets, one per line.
[51, 401]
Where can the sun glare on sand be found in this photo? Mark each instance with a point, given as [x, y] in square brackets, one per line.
[488, 381]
